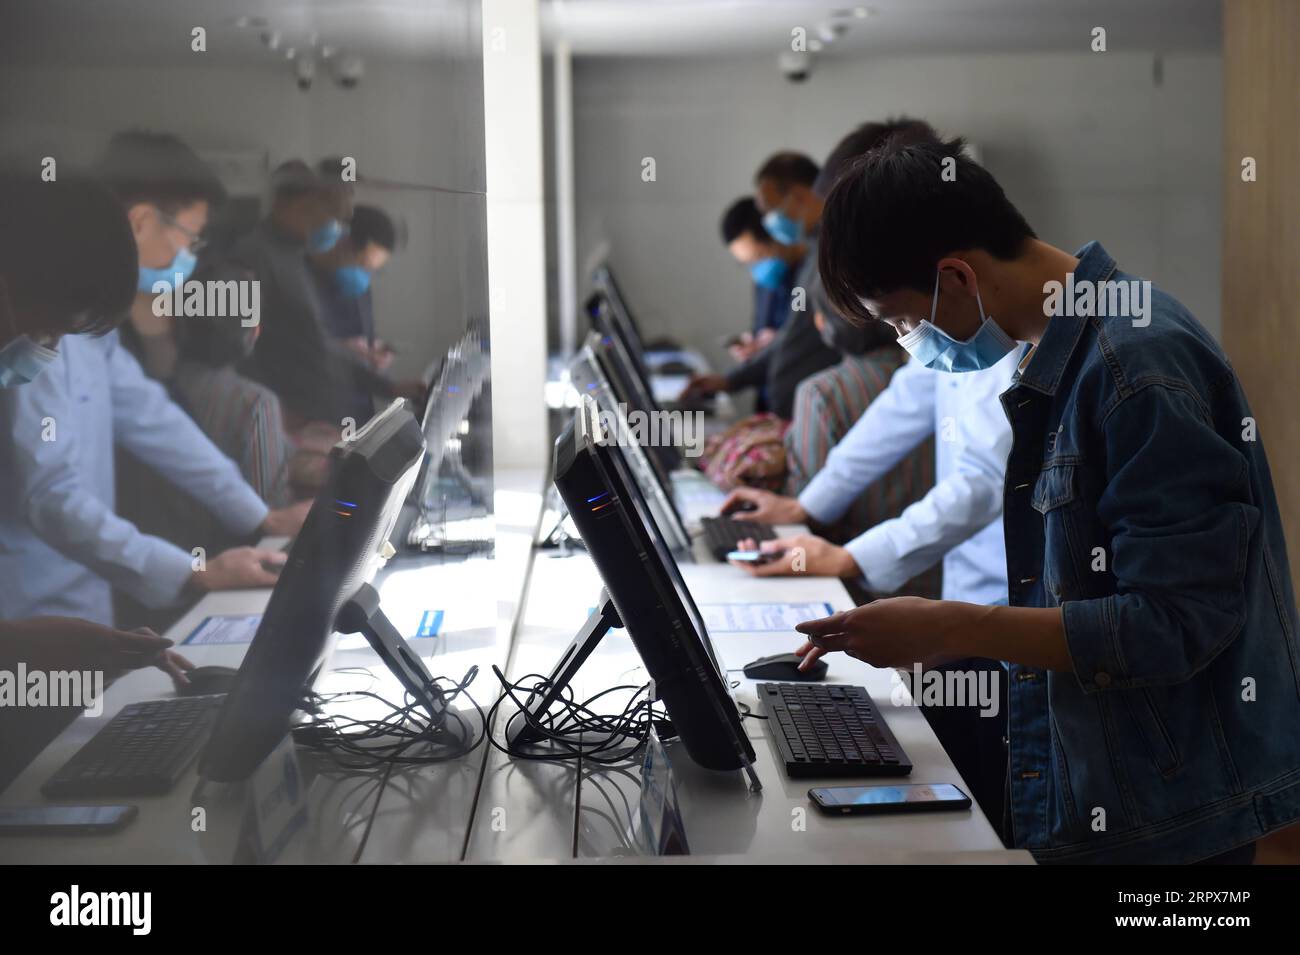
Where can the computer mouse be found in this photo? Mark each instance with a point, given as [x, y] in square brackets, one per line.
[208, 680]
[785, 666]
[740, 507]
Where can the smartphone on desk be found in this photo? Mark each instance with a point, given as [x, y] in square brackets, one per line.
[65, 820]
[875, 800]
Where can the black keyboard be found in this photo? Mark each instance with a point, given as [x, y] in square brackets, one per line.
[141, 752]
[830, 729]
[723, 534]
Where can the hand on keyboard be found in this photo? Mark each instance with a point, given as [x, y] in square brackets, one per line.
[751, 504]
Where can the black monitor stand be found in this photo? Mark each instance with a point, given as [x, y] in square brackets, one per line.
[361, 614]
[601, 621]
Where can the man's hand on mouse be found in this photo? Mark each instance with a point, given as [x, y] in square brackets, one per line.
[803, 554]
[891, 632]
[769, 508]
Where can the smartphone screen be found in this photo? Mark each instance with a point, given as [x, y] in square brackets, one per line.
[890, 798]
[69, 819]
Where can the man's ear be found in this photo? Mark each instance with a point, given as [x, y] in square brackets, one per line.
[139, 215]
[956, 276]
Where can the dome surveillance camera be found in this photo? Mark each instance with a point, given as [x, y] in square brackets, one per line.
[348, 70]
[795, 67]
[304, 67]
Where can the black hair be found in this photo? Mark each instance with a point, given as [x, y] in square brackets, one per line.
[372, 224]
[66, 252]
[848, 337]
[159, 169]
[786, 169]
[294, 178]
[898, 210]
[742, 217]
[872, 135]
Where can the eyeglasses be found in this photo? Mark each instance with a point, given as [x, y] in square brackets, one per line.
[196, 242]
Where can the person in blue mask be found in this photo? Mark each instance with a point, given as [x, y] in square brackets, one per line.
[343, 278]
[43, 227]
[316, 376]
[169, 194]
[771, 266]
[64, 547]
[797, 350]
[1151, 631]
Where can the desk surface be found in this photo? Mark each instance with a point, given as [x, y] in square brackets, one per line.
[488, 807]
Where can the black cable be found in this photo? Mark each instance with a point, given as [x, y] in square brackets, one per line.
[746, 713]
[568, 726]
[405, 735]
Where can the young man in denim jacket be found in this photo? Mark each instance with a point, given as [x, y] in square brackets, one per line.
[1150, 639]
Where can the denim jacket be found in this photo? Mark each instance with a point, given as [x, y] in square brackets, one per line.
[1138, 499]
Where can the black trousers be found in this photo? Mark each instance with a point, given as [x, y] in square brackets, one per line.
[976, 743]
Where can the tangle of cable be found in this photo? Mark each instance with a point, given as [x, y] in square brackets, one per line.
[574, 730]
[406, 735]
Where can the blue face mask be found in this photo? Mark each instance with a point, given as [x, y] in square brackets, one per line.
[768, 273]
[22, 360]
[325, 236]
[936, 349]
[782, 228]
[181, 264]
[352, 280]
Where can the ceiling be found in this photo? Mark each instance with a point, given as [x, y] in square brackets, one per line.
[91, 32]
[692, 27]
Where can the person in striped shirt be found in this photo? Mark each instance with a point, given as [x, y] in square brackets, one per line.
[829, 403]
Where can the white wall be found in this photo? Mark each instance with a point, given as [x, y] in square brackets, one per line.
[1085, 144]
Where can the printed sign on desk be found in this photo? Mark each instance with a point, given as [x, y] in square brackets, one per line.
[659, 830]
[279, 802]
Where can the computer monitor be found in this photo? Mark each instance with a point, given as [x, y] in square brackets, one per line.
[648, 596]
[591, 376]
[603, 318]
[602, 277]
[324, 588]
[630, 382]
[451, 503]
[453, 388]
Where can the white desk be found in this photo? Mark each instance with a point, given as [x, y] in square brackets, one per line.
[530, 811]
[424, 813]
[479, 598]
[487, 807]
